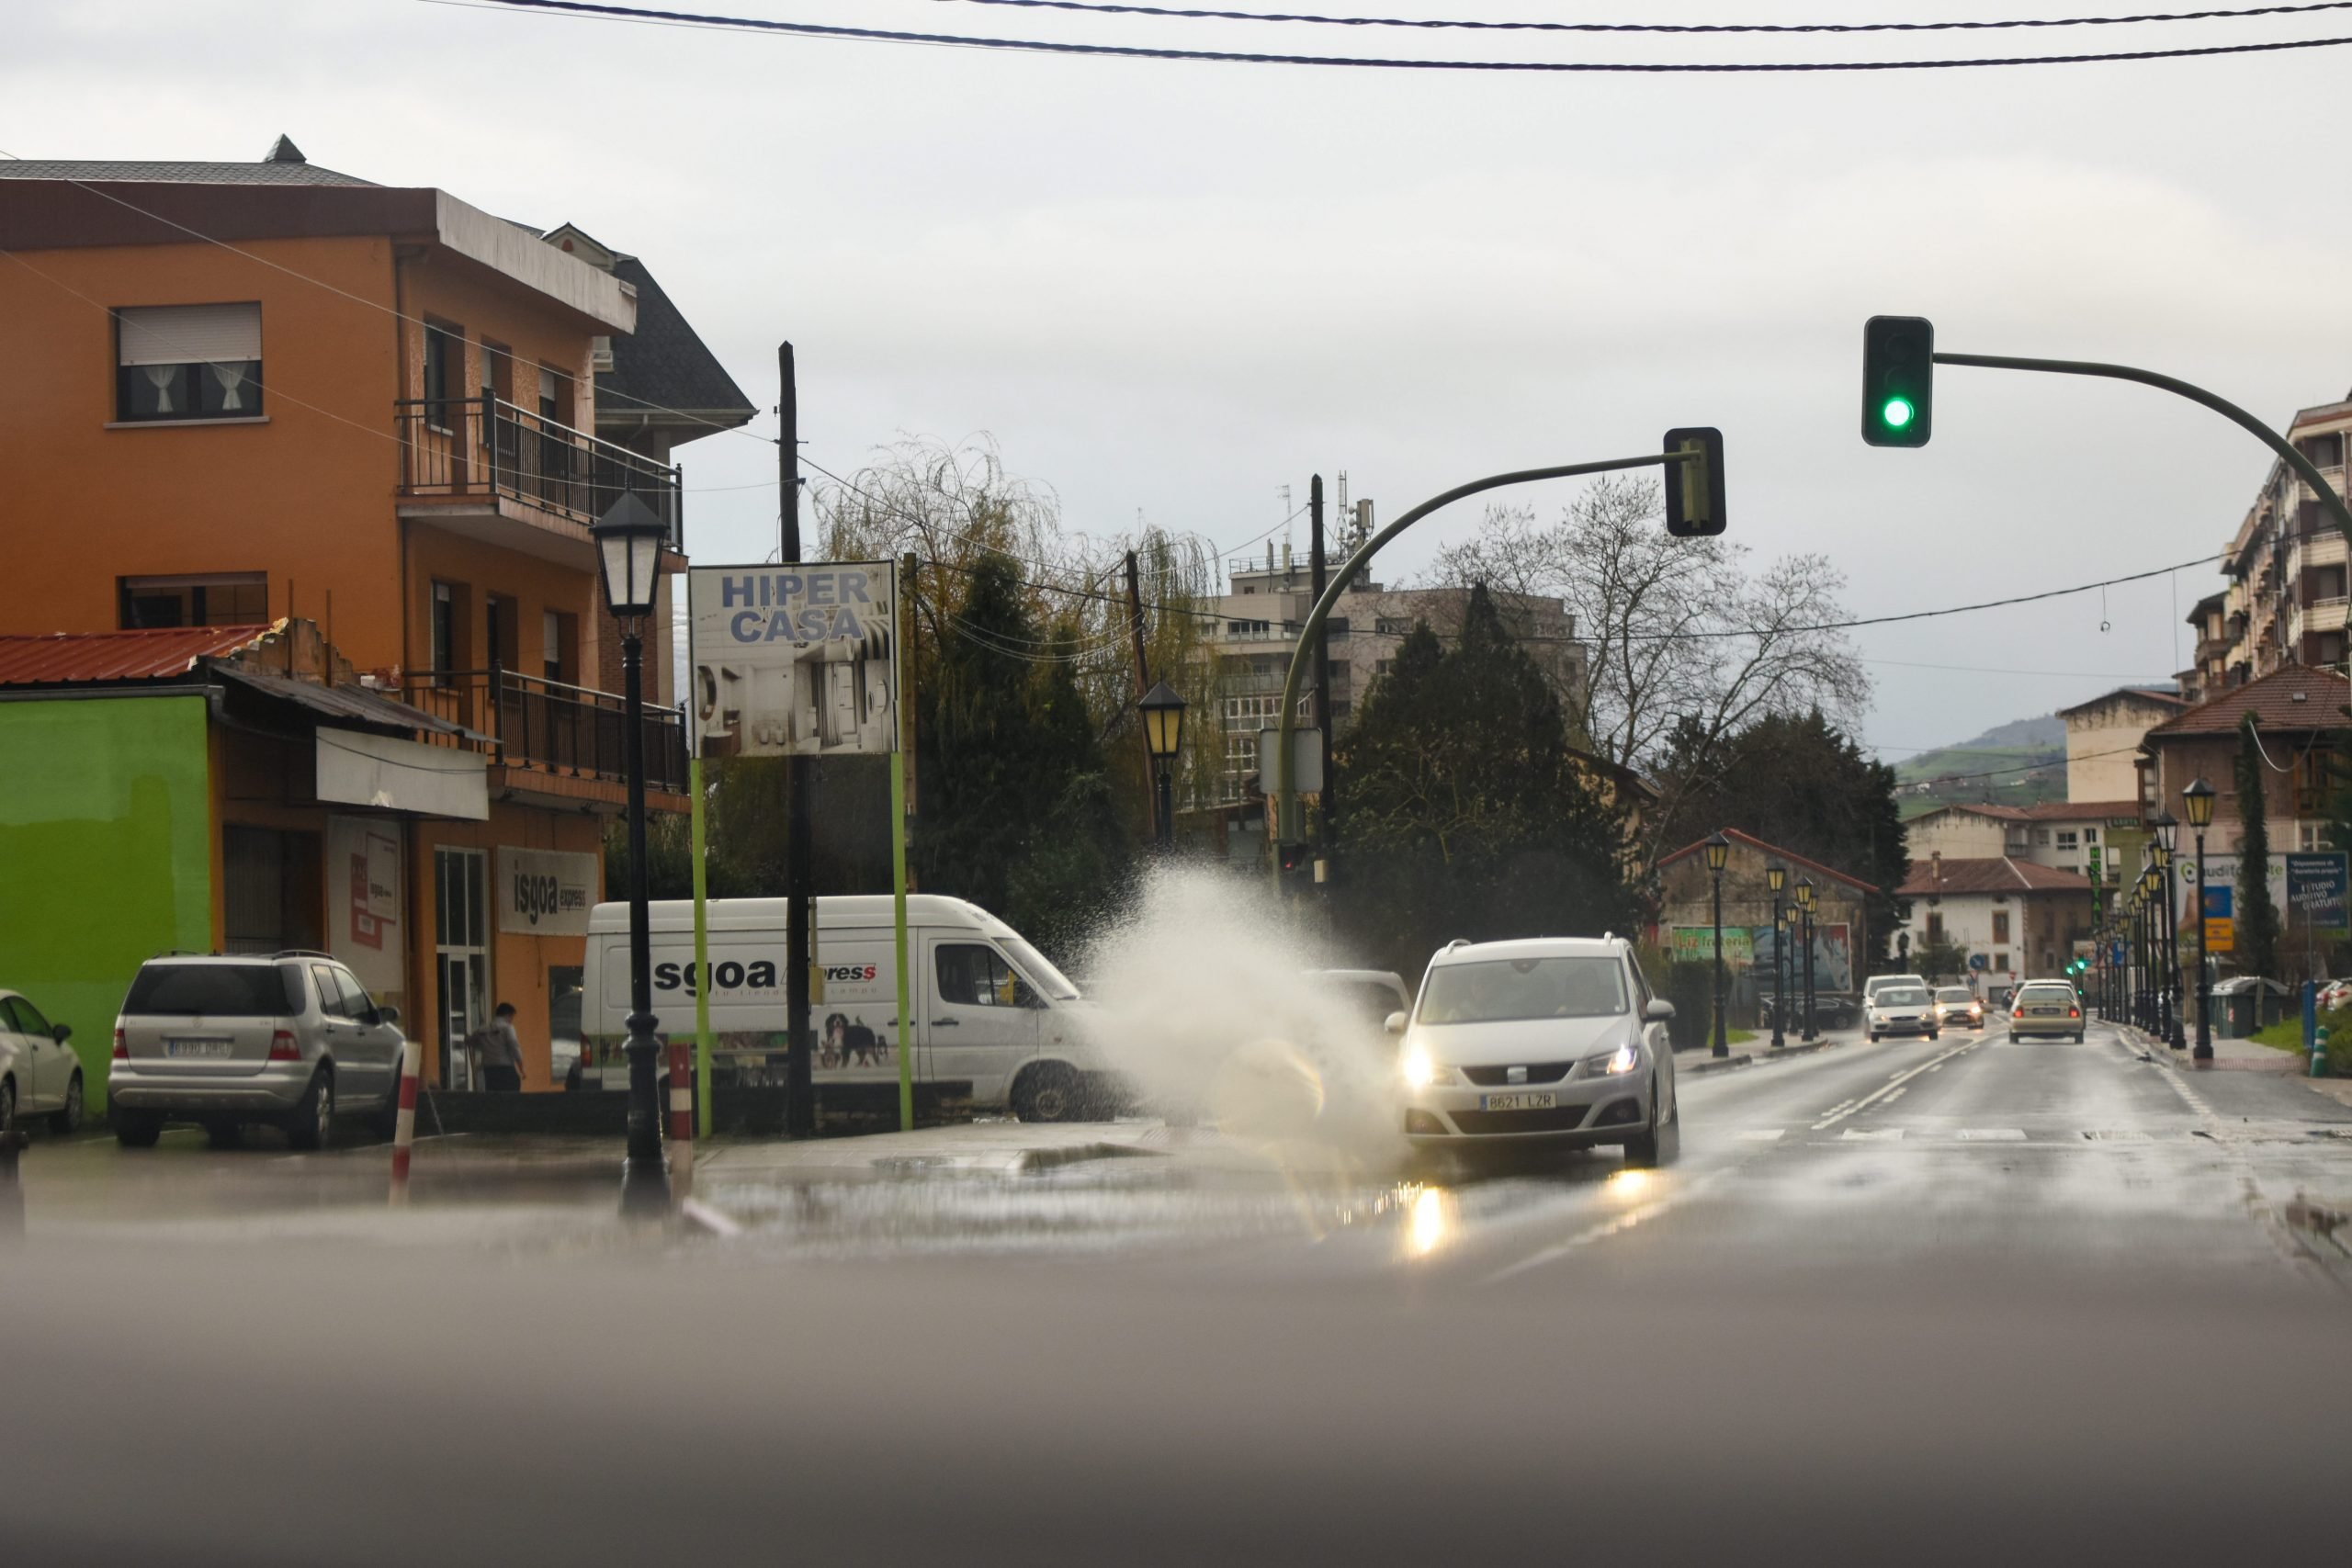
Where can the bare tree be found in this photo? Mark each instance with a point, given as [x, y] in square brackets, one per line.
[1685, 646]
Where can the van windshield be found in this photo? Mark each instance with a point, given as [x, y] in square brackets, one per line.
[1500, 990]
[1050, 981]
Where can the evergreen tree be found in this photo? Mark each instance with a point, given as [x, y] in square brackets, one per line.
[1466, 813]
[2257, 917]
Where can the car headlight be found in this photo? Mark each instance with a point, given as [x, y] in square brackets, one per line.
[1421, 1070]
[1623, 1059]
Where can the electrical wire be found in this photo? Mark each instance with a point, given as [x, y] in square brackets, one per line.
[719, 23]
[1450, 23]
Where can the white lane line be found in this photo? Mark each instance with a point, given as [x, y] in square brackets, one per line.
[1872, 1134]
[1603, 1231]
[1992, 1135]
[1842, 1112]
[1759, 1134]
[1897, 1094]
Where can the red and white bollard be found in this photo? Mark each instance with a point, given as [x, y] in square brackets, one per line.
[405, 1124]
[682, 1119]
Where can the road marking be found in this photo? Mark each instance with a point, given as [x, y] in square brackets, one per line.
[1759, 1134]
[1872, 1134]
[1839, 1113]
[1602, 1232]
[1992, 1135]
[1893, 1095]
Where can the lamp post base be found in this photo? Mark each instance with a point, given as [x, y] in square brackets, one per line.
[2203, 1052]
[645, 1176]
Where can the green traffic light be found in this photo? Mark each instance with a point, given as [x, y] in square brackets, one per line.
[1896, 413]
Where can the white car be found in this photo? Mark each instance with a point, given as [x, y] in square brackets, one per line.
[39, 1075]
[1548, 1040]
[1957, 1008]
[1901, 1010]
[1876, 983]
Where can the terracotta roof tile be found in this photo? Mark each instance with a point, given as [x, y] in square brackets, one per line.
[1997, 876]
[117, 656]
[1796, 862]
[2296, 698]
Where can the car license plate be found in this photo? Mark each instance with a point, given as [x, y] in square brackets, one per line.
[2045, 1012]
[197, 1048]
[1540, 1099]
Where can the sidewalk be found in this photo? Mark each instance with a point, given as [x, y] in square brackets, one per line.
[2240, 1056]
[1758, 1050]
[1003, 1147]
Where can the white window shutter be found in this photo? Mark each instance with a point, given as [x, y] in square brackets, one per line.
[189, 334]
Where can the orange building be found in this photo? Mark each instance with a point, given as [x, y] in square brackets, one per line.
[241, 393]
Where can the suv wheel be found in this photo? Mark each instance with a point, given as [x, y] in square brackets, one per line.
[8, 1105]
[68, 1120]
[313, 1118]
[137, 1129]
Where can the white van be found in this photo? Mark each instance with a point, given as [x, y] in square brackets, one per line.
[990, 1009]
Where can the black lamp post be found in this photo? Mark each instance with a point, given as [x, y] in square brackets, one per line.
[1718, 852]
[2140, 951]
[1804, 910]
[2167, 831]
[2152, 882]
[1163, 737]
[1776, 877]
[629, 539]
[2198, 800]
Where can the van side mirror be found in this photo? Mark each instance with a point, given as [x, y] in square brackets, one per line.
[63, 1031]
[1659, 1010]
[1395, 1023]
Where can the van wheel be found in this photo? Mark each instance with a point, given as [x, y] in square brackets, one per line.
[313, 1118]
[1046, 1093]
[137, 1129]
[68, 1121]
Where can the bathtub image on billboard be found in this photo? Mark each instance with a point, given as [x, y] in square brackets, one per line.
[794, 661]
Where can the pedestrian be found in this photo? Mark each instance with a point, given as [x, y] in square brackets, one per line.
[502, 1052]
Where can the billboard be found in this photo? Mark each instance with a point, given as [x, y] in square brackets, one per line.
[544, 892]
[364, 903]
[799, 659]
[2309, 889]
[1747, 947]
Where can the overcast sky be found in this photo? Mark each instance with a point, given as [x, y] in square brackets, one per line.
[1171, 288]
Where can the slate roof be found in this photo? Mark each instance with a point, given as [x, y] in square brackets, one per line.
[149, 655]
[1997, 875]
[2296, 699]
[172, 172]
[664, 361]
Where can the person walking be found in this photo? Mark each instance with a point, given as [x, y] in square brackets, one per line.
[502, 1053]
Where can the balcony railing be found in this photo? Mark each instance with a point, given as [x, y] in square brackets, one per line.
[485, 447]
[562, 730]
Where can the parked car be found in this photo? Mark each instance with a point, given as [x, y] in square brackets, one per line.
[1957, 1008]
[2047, 1009]
[1900, 1010]
[39, 1075]
[1829, 1011]
[224, 1041]
[1549, 1039]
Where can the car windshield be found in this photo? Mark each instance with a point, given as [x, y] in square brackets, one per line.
[1500, 990]
[215, 990]
[1902, 997]
[1040, 970]
[1955, 994]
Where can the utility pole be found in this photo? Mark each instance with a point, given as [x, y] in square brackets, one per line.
[1322, 691]
[801, 878]
[1143, 680]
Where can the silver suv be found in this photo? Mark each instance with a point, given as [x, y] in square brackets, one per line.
[286, 1038]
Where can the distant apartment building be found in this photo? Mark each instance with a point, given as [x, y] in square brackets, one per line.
[2103, 739]
[2287, 567]
[1259, 619]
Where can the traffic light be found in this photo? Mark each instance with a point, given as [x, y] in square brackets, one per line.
[1898, 380]
[1694, 487]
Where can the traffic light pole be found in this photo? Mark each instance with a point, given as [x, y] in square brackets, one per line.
[2302, 466]
[1282, 799]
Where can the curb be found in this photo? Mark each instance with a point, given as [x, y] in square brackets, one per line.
[1717, 1063]
[1753, 1058]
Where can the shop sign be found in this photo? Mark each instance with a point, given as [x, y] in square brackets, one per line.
[544, 892]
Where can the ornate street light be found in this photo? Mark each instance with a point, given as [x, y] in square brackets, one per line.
[2197, 801]
[2169, 916]
[1718, 855]
[1163, 739]
[1804, 906]
[1776, 877]
[629, 539]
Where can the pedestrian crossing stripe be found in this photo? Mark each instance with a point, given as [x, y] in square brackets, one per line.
[1760, 1135]
[1872, 1134]
[1992, 1134]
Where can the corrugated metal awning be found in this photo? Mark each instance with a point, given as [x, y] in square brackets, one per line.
[352, 705]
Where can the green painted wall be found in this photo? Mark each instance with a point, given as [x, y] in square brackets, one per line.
[106, 854]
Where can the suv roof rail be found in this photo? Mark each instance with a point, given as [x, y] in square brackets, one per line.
[1457, 941]
[301, 952]
[183, 953]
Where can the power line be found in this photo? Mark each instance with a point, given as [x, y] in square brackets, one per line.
[583, 8]
[1687, 28]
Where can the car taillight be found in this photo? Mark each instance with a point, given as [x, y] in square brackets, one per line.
[2074, 1012]
[283, 1048]
[122, 1046]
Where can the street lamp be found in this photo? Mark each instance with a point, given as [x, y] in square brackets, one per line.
[629, 538]
[1163, 737]
[1718, 852]
[1804, 906]
[2198, 800]
[2152, 882]
[2167, 830]
[2159, 877]
[1776, 877]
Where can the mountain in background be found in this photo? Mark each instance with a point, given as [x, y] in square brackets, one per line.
[2017, 763]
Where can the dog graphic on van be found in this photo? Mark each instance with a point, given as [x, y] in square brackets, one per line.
[846, 1043]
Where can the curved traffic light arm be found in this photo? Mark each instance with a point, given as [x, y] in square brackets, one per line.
[1283, 799]
[2303, 467]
